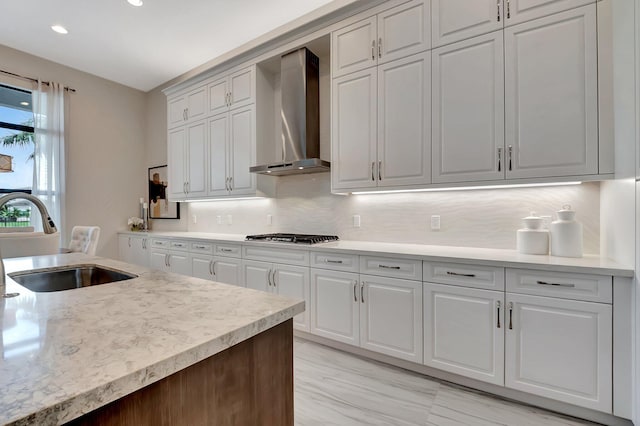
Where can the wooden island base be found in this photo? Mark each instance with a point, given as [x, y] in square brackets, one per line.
[250, 383]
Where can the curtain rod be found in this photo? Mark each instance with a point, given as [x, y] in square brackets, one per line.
[68, 89]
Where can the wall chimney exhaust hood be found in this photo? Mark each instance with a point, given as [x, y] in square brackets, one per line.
[300, 117]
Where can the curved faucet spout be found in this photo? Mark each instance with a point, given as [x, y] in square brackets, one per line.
[47, 224]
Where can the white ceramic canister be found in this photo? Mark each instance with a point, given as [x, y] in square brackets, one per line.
[532, 239]
[566, 234]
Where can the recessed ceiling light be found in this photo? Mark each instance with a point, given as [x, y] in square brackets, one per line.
[135, 2]
[59, 29]
[24, 103]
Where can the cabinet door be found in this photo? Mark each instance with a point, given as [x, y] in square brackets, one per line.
[176, 164]
[404, 111]
[353, 48]
[176, 111]
[201, 267]
[242, 87]
[158, 260]
[218, 154]
[391, 317]
[257, 275]
[455, 20]
[139, 252]
[517, 11]
[468, 110]
[125, 249]
[551, 96]
[197, 103]
[560, 349]
[218, 99]
[353, 153]
[293, 281]
[180, 263]
[335, 306]
[242, 150]
[228, 270]
[197, 160]
[404, 30]
[464, 331]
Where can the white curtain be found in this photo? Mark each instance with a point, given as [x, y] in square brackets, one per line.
[49, 155]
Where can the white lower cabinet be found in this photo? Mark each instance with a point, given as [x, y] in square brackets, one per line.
[170, 261]
[225, 270]
[464, 331]
[377, 313]
[134, 249]
[560, 349]
[285, 280]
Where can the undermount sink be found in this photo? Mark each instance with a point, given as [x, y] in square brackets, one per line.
[68, 278]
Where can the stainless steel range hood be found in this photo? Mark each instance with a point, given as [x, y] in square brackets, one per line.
[300, 117]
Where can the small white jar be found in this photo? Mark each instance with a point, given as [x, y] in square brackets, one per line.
[532, 239]
[566, 234]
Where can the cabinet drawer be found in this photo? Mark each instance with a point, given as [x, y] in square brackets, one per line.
[595, 288]
[229, 250]
[277, 255]
[335, 261]
[155, 243]
[200, 247]
[179, 245]
[391, 267]
[484, 277]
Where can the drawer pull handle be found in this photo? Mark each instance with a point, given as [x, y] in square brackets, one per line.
[457, 274]
[226, 250]
[556, 284]
[388, 267]
[498, 305]
[200, 247]
[332, 261]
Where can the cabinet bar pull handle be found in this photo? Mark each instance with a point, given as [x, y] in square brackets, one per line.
[510, 315]
[373, 50]
[187, 113]
[362, 292]
[230, 98]
[373, 177]
[129, 241]
[457, 274]
[498, 305]
[556, 284]
[200, 247]
[510, 156]
[380, 47]
[499, 159]
[269, 277]
[213, 268]
[508, 9]
[226, 250]
[275, 284]
[332, 261]
[379, 170]
[498, 3]
[226, 183]
[231, 183]
[355, 295]
[388, 267]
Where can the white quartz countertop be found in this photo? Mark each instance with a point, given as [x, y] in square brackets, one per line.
[69, 352]
[588, 264]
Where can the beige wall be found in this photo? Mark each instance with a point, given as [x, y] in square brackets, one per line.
[105, 147]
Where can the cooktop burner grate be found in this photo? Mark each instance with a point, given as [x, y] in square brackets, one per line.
[293, 238]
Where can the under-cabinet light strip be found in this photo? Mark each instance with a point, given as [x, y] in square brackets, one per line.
[208, 200]
[467, 188]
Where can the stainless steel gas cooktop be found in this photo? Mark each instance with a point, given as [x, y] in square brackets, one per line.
[293, 238]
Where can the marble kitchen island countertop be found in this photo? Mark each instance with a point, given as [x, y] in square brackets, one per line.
[588, 264]
[69, 352]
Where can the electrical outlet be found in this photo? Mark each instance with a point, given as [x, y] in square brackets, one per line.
[435, 222]
[356, 221]
[269, 220]
[219, 220]
[194, 219]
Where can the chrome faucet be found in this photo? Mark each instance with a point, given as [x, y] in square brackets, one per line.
[47, 225]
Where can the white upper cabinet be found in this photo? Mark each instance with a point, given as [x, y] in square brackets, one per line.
[176, 188]
[468, 110]
[518, 11]
[551, 96]
[187, 107]
[187, 161]
[392, 34]
[232, 91]
[354, 127]
[218, 154]
[455, 20]
[404, 102]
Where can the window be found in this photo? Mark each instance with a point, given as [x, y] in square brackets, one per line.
[16, 141]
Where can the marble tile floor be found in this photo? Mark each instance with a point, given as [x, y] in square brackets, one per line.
[336, 388]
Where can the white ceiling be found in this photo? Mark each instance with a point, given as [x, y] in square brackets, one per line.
[141, 47]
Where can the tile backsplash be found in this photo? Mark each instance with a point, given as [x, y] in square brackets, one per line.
[471, 218]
